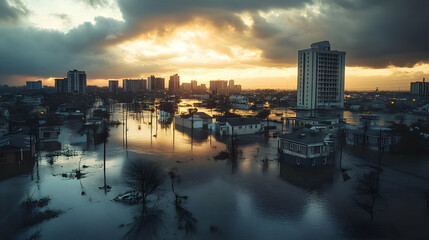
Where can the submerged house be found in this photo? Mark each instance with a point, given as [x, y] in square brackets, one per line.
[198, 120]
[16, 148]
[49, 133]
[370, 136]
[306, 148]
[242, 126]
[373, 138]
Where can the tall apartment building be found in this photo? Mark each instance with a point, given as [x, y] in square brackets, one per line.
[419, 88]
[174, 83]
[134, 85]
[61, 85]
[34, 84]
[320, 77]
[113, 86]
[194, 85]
[76, 81]
[155, 83]
[219, 85]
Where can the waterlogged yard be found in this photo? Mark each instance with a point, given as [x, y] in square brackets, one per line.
[250, 194]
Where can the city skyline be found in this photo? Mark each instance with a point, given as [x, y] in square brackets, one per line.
[249, 42]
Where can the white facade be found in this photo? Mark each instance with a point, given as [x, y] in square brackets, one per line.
[320, 77]
[188, 122]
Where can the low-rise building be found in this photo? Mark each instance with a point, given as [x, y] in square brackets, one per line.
[242, 126]
[306, 148]
[198, 120]
[370, 137]
[16, 148]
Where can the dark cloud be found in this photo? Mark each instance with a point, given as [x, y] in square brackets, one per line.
[374, 33]
[45, 53]
[11, 14]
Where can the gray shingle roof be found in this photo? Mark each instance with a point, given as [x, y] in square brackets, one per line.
[305, 136]
[242, 121]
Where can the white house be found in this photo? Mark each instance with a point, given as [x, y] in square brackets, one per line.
[242, 126]
[197, 120]
[49, 133]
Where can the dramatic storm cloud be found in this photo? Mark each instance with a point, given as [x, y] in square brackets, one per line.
[205, 39]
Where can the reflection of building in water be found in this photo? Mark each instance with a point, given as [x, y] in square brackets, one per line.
[306, 148]
[197, 135]
[306, 178]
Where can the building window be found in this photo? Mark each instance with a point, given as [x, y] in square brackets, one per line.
[316, 149]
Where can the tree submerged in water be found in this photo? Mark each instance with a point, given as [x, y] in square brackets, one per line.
[145, 177]
[368, 189]
[35, 214]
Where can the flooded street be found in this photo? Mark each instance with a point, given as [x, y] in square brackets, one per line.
[251, 196]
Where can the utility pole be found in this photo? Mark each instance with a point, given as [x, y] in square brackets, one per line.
[123, 126]
[126, 127]
[341, 146]
[380, 150]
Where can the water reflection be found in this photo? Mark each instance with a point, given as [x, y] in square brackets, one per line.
[146, 225]
[307, 178]
[247, 195]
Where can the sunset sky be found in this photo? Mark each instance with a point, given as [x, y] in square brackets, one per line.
[251, 41]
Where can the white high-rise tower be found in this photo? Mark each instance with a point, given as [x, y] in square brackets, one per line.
[320, 77]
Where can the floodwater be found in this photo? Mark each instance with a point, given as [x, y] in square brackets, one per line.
[239, 198]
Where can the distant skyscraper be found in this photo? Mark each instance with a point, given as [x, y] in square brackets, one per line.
[320, 77]
[133, 85]
[156, 83]
[61, 85]
[113, 86]
[419, 88]
[34, 84]
[194, 85]
[76, 81]
[174, 83]
[219, 85]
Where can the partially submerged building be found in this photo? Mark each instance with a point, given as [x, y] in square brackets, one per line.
[16, 148]
[306, 148]
[197, 120]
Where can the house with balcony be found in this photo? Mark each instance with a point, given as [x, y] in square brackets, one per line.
[306, 148]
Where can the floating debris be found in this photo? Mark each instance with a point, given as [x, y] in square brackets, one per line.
[131, 197]
[222, 155]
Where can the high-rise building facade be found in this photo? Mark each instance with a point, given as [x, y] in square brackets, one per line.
[194, 85]
[134, 85]
[34, 84]
[219, 85]
[155, 83]
[113, 86]
[420, 88]
[320, 77]
[76, 81]
[61, 85]
[174, 83]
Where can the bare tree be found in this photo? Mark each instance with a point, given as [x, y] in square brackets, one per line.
[145, 177]
[368, 190]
